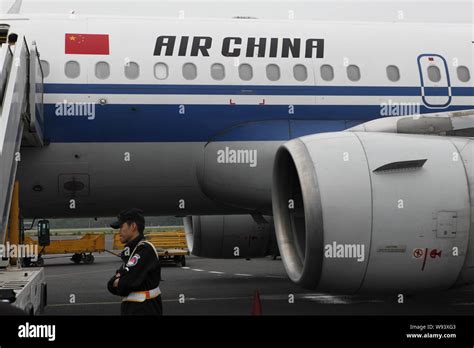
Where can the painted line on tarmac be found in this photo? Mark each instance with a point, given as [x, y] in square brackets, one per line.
[334, 299]
[174, 300]
[235, 274]
[324, 299]
[275, 297]
[81, 304]
[213, 299]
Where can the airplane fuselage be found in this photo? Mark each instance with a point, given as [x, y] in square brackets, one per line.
[130, 126]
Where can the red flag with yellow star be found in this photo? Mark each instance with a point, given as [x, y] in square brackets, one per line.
[87, 44]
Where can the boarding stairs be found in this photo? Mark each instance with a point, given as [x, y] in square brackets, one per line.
[21, 114]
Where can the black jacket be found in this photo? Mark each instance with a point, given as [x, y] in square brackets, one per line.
[141, 272]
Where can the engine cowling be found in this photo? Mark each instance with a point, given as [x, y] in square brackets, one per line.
[230, 236]
[404, 198]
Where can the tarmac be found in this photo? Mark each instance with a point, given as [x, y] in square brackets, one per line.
[227, 287]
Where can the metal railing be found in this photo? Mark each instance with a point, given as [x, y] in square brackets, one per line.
[11, 126]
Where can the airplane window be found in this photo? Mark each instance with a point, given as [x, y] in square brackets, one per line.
[463, 73]
[189, 71]
[132, 70]
[217, 71]
[393, 73]
[245, 72]
[45, 68]
[300, 72]
[273, 72]
[102, 70]
[72, 69]
[327, 72]
[161, 71]
[353, 73]
[434, 74]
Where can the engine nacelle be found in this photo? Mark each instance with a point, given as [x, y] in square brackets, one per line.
[230, 236]
[228, 183]
[368, 212]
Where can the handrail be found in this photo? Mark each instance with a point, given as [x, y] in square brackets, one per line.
[6, 57]
[35, 114]
[39, 62]
[11, 127]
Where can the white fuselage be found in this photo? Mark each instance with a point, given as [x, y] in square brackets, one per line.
[157, 106]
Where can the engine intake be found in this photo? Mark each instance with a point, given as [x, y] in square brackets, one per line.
[371, 212]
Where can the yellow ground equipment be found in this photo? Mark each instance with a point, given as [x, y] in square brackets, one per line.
[171, 245]
[81, 249]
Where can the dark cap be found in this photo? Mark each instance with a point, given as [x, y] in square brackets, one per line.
[130, 215]
[12, 37]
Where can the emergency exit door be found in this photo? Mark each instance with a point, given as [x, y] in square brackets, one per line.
[434, 78]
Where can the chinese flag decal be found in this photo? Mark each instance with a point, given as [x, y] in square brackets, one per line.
[87, 44]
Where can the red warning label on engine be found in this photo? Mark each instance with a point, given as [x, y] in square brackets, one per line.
[422, 253]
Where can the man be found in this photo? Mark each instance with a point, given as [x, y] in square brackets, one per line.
[12, 39]
[138, 279]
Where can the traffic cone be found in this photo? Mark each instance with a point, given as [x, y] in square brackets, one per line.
[256, 304]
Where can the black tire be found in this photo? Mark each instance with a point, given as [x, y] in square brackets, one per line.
[76, 258]
[180, 260]
[27, 262]
[88, 259]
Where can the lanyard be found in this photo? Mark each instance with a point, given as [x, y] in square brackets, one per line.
[140, 243]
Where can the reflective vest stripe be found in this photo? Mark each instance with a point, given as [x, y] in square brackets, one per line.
[141, 296]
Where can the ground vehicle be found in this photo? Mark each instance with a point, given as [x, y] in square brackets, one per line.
[171, 246]
[81, 249]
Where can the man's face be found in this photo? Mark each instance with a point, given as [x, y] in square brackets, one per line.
[127, 232]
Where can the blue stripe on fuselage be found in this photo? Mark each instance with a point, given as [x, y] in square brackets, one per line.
[164, 123]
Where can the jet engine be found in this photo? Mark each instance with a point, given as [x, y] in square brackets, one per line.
[371, 212]
[230, 236]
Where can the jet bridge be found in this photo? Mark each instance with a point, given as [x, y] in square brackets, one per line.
[21, 114]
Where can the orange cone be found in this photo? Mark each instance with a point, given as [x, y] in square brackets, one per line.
[256, 304]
